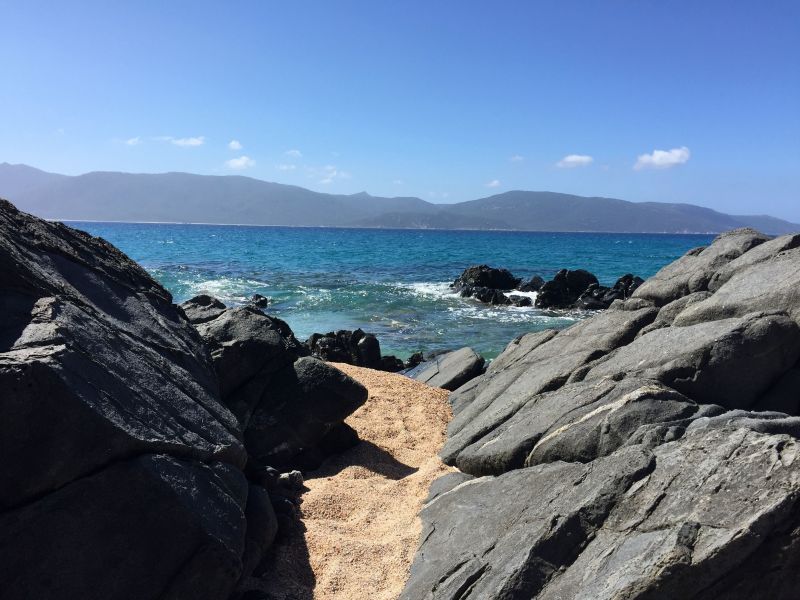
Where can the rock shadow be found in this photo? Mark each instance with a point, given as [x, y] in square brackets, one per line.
[369, 456]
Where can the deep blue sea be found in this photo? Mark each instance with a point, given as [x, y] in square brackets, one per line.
[393, 283]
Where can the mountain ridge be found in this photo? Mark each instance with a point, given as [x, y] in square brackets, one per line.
[178, 197]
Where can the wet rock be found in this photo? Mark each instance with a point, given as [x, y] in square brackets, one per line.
[564, 289]
[484, 276]
[259, 301]
[534, 284]
[598, 297]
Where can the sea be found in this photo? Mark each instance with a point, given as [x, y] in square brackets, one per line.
[393, 283]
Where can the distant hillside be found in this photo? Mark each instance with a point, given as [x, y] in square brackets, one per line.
[183, 197]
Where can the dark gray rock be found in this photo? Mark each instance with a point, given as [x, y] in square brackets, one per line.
[598, 297]
[148, 527]
[446, 483]
[202, 308]
[565, 288]
[126, 475]
[760, 254]
[262, 527]
[577, 423]
[693, 271]
[463, 396]
[534, 284]
[518, 349]
[369, 351]
[731, 362]
[303, 403]
[506, 537]
[668, 312]
[771, 285]
[503, 395]
[783, 396]
[451, 370]
[484, 276]
[96, 364]
[634, 524]
[510, 382]
[244, 343]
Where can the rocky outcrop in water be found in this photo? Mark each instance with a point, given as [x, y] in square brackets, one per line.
[356, 348]
[650, 451]
[568, 289]
[137, 445]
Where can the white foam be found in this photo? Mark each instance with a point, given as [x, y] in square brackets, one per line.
[439, 289]
[531, 295]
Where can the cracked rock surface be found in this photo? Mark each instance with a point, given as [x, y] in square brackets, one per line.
[648, 452]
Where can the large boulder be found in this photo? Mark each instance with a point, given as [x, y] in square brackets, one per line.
[565, 288]
[298, 410]
[113, 427]
[450, 370]
[484, 276]
[287, 404]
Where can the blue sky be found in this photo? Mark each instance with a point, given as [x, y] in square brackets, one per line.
[668, 101]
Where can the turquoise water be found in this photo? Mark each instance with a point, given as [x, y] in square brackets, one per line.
[391, 282]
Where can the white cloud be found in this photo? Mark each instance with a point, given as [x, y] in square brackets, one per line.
[662, 159]
[286, 167]
[235, 145]
[570, 161]
[517, 158]
[398, 182]
[294, 153]
[134, 141]
[190, 141]
[183, 142]
[240, 163]
[494, 183]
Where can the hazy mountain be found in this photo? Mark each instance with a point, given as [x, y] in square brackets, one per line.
[183, 197]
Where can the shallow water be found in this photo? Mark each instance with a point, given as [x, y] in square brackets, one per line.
[390, 282]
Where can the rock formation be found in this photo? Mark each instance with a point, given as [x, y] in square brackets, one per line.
[137, 448]
[356, 348]
[568, 289]
[650, 451]
[450, 370]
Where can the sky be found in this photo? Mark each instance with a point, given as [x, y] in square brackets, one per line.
[678, 101]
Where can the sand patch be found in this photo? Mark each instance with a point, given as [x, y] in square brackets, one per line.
[360, 510]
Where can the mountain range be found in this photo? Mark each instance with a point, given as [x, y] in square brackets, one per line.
[185, 197]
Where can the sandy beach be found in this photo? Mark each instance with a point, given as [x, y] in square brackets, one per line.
[360, 508]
